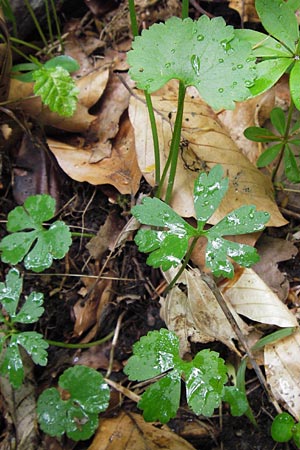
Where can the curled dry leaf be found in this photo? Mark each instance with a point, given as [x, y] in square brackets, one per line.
[246, 9]
[252, 298]
[205, 142]
[196, 315]
[120, 170]
[130, 431]
[282, 366]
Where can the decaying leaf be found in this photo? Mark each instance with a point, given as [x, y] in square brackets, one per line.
[282, 366]
[195, 315]
[120, 170]
[246, 9]
[130, 431]
[204, 143]
[252, 298]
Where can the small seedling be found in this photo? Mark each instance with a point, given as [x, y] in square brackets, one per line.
[10, 337]
[205, 376]
[52, 82]
[40, 245]
[74, 408]
[169, 243]
[284, 429]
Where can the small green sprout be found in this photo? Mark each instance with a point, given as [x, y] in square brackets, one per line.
[168, 242]
[205, 376]
[10, 337]
[284, 429]
[74, 408]
[40, 245]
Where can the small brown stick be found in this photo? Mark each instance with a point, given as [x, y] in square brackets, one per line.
[127, 392]
[114, 343]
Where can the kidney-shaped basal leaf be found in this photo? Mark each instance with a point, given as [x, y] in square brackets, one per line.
[50, 244]
[203, 53]
[10, 291]
[153, 354]
[161, 400]
[57, 89]
[87, 395]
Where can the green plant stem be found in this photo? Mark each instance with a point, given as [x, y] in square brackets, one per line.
[185, 9]
[154, 137]
[285, 138]
[184, 264]
[36, 23]
[49, 21]
[85, 345]
[56, 21]
[87, 235]
[133, 20]
[175, 143]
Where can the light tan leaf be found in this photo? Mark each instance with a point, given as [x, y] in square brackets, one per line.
[246, 9]
[196, 315]
[120, 170]
[252, 298]
[131, 432]
[205, 143]
[282, 366]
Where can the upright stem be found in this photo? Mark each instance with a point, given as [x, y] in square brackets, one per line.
[175, 143]
[285, 138]
[36, 23]
[135, 32]
[185, 9]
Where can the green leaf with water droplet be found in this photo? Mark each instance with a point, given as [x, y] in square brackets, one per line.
[282, 426]
[203, 53]
[34, 344]
[11, 364]
[158, 353]
[87, 395]
[57, 89]
[10, 291]
[41, 245]
[32, 309]
[237, 400]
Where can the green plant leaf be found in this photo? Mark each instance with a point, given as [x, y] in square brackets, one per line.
[203, 53]
[88, 395]
[12, 365]
[269, 155]
[263, 46]
[268, 73]
[10, 291]
[66, 62]
[237, 400]
[296, 434]
[281, 429]
[258, 134]
[291, 168]
[57, 89]
[278, 120]
[161, 400]
[275, 21]
[32, 310]
[205, 378]
[158, 353]
[34, 344]
[294, 84]
[45, 245]
[209, 191]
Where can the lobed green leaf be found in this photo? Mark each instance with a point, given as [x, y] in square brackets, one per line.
[32, 309]
[237, 400]
[12, 364]
[34, 344]
[10, 291]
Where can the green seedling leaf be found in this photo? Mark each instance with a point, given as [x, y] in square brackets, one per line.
[57, 89]
[32, 310]
[34, 344]
[158, 353]
[282, 426]
[296, 434]
[258, 134]
[237, 400]
[278, 120]
[203, 53]
[66, 62]
[12, 365]
[168, 245]
[10, 292]
[273, 337]
[269, 155]
[275, 21]
[291, 168]
[87, 395]
[40, 245]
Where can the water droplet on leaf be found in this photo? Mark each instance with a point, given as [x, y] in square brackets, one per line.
[220, 90]
[195, 61]
[167, 65]
[221, 60]
[200, 37]
[173, 51]
[240, 66]
[249, 83]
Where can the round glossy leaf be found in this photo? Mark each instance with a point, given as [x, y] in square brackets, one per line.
[79, 425]
[282, 426]
[51, 411]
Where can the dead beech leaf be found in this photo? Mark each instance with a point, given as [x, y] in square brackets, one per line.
[252, 298]
[205, 142]
[282, 366]
[120, 170]
[246, 9]
[131, 432]
[196, 315]
[91, 88]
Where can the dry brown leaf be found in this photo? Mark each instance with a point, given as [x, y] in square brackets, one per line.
[282, 366]
[196, 315]
[205, 143]
[252, 298]
[246, 9]
[272, 251]
[131, 432]
[91, 88]
[120, 170]
[253, 112]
